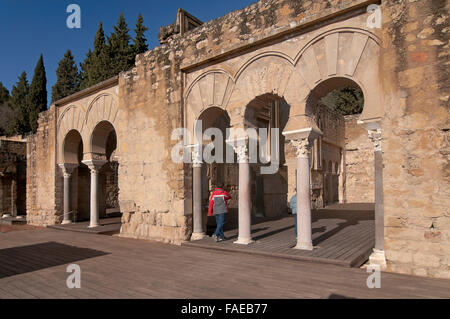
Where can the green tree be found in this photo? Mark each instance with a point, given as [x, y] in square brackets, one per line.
[120, 50]
[6, 113]
[346, 101]
[96, 67]
[4, 95]
[37, 97]
[67, 78]
[140, 42]
[19, 98]
[84, 71]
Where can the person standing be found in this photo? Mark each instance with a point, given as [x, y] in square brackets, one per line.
[218, 208]
[293, 206]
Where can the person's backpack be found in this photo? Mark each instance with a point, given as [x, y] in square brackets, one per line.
[219, 205]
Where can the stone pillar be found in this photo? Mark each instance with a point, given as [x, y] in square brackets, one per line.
[94, 166]
[378, 256]
[244, 237]
[67, 170]
[1, 196]
[302, 140]
[198, 231]
[14, 196]
[304, 239]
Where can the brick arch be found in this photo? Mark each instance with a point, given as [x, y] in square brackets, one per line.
[211, 89]
[103, 108]
[72, 118]
[347, 53]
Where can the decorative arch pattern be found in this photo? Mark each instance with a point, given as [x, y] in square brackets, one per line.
[103, 107]
[72, 118]
[211, 89]
[344, 52]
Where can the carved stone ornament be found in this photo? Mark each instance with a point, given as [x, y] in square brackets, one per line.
[302, 147]
[242, 152]
[197, 156]
[375, 137]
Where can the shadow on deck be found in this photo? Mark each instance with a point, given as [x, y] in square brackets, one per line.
[23, 259]
[343, 234]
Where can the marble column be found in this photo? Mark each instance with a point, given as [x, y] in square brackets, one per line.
[302, 147]
[198, 231]
[67, 170]
[378, 256]
[244, 237]
[94, 166]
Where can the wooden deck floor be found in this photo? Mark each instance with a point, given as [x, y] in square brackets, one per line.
[33, 264]
[108, 226]
[342, 235]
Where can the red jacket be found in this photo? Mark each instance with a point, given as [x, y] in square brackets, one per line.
[217, 192]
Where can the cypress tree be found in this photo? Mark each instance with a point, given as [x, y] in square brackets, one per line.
[19, 94]
[6, 113]
[121, 52]
[96, 66]
[4, 95]
[37, 97]
[84, 76]
[67, 78]
[140, 42]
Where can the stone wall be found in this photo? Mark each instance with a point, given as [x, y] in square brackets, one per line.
[415, 132]
[151, 185]
[12, 177]
[43, 184]
[359, 163]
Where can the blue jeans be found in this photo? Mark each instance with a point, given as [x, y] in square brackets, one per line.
[220, 220]
[295, 218]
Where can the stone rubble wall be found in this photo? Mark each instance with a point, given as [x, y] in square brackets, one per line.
[12, 175]
[359, 163]
[43, 203]
[415, 144]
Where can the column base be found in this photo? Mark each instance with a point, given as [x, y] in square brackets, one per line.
[304, 246]
[66, 222]
[378, 257]
[197, 236]
[93, 226]
[244, 241]
[6, 215]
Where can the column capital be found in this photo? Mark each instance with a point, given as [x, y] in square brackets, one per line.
[376, 138]
[374, 131]
[240, 146]
[94, 165]
[67, 169]
[302, 147]
[197, 152]
[242, 152]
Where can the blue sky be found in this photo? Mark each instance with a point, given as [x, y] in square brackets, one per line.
[31, 27]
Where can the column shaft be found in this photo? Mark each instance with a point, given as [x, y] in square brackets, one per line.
[13, 196]
[244, 236]
[304, 239]
[198, 231]
[66, 209]
[379, 201]
[94, 222]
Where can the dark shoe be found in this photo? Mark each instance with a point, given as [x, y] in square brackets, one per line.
[219, 239]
